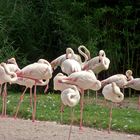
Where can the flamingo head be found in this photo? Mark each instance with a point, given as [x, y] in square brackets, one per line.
[11, 61]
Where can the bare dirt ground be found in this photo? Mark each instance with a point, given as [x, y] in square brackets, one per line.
[19, 129]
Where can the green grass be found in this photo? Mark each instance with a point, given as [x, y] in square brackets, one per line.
[96, 116]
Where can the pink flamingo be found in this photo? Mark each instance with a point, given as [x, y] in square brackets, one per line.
[6, 76]
[70, 97]
[134, 84]
[83, 80]
[70, 54]
[40, 70]
[119, 79]
[12, 67]
[70, 65]
[112, 92]
[98, 63]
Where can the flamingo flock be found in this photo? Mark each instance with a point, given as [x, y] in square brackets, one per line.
[76, 76]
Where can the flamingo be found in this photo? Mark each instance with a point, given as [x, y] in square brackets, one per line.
[58, 61]
[112, 92]
[70, 97]
[70, 53]
[70, 65]
[6, 76]
[134, 84]
[12, 65]
[83, 80]
[97, 64]
[40, 70]
[119, 79]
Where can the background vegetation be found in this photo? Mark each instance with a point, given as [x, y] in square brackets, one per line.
[33, 29]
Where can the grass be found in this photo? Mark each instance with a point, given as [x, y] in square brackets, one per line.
[96, 116]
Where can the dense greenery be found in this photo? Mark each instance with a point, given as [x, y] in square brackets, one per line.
[96, 116]
[33, 29]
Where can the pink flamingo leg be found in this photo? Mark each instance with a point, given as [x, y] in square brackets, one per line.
[46, 88]
[21, 99]
[81, 109]
[61, 111]
[72, 117]
[34, 109]
[110, 119]
[5, 100]
[31, 97]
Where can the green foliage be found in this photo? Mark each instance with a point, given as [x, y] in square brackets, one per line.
[43, 29]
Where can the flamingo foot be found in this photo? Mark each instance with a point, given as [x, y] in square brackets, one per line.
[81, 129]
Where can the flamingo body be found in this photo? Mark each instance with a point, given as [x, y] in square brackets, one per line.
[70, 96]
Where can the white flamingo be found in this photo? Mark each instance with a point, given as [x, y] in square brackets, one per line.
[112, 93]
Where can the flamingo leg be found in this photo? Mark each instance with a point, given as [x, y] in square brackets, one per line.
[72, 118]
[20, 101]
[61, 111]
[81, 109]
[110, 118]
[0, 89]
[46, 88]
[31, 103]
[34, 108]
[5, 100]
[96, 99]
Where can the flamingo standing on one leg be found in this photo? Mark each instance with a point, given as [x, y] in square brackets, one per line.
[112, 92]
[70, 97]
[40, 70]
[83, 80]
[134, 84]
